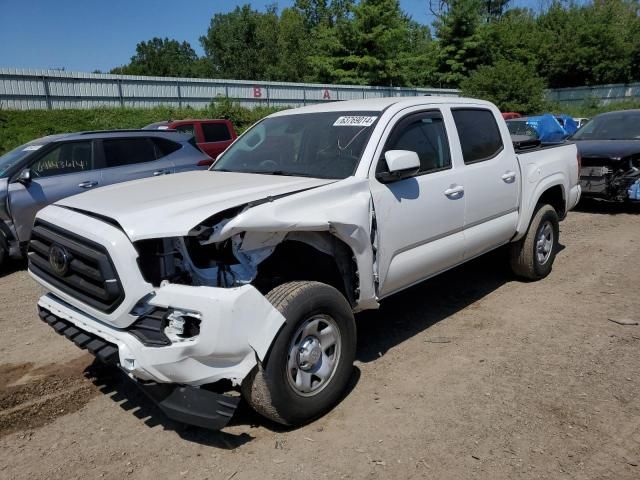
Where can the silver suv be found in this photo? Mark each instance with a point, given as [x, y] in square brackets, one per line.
[48, 169]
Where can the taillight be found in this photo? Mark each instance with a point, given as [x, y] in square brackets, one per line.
[205, 163]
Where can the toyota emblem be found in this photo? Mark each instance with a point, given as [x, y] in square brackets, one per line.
[59, 260]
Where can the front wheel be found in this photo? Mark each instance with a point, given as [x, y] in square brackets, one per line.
[4, 253]
[533, 255]
[311, 359]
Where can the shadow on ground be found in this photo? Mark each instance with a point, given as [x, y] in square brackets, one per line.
[414, 310]
[12, 266]
[124, 392]
[607, 208]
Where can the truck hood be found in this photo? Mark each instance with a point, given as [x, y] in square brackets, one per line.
[172, 205]
[613, 149]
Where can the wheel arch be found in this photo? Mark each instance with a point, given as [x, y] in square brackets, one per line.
[312, 256]
[549, 191]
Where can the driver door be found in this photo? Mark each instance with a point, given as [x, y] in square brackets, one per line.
[67, 169]
[419, 219]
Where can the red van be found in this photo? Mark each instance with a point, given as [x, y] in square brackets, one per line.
[212, 136]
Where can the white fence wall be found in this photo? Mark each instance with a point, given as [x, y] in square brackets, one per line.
[27, 89]
[604, 94]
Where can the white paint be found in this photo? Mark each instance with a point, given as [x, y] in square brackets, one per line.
[425, 225]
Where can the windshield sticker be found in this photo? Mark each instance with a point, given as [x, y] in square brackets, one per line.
[32, 148]
[354, 121]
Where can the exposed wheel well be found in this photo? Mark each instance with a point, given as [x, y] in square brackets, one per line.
[554, 196]
[301, 258]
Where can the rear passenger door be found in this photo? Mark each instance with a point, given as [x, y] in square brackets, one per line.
[132, 158]
[491, 180]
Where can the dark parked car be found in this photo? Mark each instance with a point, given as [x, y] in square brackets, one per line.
[45, 170]
[212, 136]
[610, 148]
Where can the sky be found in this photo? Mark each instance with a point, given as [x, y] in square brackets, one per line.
[88, 35]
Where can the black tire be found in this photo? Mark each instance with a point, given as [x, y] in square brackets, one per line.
[268, 388]
[4, 251]
[525, 261]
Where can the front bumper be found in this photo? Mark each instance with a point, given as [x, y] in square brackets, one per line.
[237, 325]
[185, 404]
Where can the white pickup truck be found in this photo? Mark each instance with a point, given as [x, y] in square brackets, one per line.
[243, 280]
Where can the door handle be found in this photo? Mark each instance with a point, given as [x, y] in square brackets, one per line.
[509, 177]
[157, 173]
[454, 191]
[89, 184]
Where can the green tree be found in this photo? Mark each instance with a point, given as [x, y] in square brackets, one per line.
[161, 57]
[589, 44]
[242, 44]
[461, 46]
[323, 12]
[417, 62]
[371, 44]
[293, 46]
[512, 86]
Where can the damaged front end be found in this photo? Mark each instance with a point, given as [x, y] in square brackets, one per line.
[611, 179]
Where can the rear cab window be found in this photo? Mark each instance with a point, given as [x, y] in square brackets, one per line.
[215, 132]
[479, 134]
[188, 128]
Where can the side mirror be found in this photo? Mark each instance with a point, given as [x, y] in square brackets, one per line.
[400, 164]
[25, 177]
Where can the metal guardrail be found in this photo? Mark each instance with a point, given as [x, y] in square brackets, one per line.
[29, 89]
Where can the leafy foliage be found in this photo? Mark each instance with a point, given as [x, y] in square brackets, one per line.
[163, 58]
[20, 126]
[512, 86]
[375, 42]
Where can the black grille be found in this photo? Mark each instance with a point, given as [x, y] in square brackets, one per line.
[90, 275]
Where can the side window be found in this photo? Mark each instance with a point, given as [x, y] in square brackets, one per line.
[188, 129]
[70, 157]
[425, 134]
[215, 132]
[126, 151]
[166, 147]
[479, 134]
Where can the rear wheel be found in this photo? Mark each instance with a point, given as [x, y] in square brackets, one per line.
[311, 359]
[533, 255]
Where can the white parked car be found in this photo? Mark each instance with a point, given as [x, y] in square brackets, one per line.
[580, 121]
[248, 275]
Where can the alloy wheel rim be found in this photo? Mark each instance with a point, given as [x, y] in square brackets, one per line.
[544, 243]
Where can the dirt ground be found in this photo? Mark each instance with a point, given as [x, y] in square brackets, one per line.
[470, 375]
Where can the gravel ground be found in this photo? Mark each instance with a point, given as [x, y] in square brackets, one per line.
[469, 375]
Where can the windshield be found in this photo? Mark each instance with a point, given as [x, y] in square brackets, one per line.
[320, 145]
[611, 126]
[14, 157]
